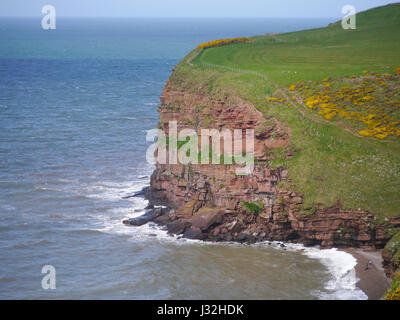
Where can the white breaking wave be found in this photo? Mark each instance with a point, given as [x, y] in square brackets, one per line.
[341, 266]
[111, 220]
[114, 190]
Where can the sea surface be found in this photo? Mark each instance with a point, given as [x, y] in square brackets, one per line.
[75, 106]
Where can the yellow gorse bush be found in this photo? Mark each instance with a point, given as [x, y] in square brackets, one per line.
[273, 99]
[372, 100]
[393, 295]
[222, 42]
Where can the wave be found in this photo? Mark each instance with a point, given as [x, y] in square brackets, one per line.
[114, 190]
[341, 267]
[8, 207]
[29, 244]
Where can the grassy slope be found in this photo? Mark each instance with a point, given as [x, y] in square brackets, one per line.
[330, 163]
[316, 54]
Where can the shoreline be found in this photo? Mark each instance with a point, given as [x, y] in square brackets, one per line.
[372, 281]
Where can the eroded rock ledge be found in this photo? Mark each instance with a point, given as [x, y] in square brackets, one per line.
[206, 201]
[332, 227]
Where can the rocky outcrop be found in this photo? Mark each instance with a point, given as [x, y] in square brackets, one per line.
[391, 253]
[149, 215]
[211, 202]
[326, 227]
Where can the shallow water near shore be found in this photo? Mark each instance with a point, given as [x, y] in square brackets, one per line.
[75, 106]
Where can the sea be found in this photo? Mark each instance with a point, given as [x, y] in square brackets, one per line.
[75, 106]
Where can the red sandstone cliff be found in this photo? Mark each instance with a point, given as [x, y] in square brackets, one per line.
[206, 200]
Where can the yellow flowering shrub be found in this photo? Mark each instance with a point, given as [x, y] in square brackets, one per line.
[393, 295]
[222, 42]
[371, 101]
[273, 99]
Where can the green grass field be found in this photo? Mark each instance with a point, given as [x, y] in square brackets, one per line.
[316, 54]
[331, 161]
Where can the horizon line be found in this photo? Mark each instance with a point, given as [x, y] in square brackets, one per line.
[177, 17]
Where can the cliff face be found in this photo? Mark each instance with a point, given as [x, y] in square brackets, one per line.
[391, 256]
[209, 201]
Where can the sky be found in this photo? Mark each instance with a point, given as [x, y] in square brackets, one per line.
[187, 8]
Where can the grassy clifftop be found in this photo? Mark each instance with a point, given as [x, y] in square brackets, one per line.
[332, 161]
[320, 53]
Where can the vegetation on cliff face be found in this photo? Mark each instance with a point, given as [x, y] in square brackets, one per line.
[253, 207]
[393, 247]
[393, 293]
[332, 160]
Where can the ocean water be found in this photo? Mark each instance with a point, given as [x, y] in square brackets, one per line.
[75, 106]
